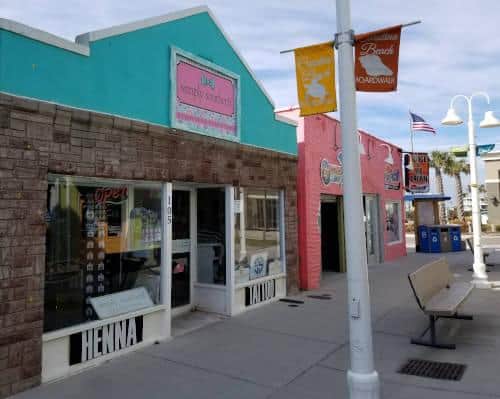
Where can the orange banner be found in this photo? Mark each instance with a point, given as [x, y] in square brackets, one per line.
[315, 69]
[377, 57]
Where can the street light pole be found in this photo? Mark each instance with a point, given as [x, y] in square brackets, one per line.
[479, 277]
[362, 379]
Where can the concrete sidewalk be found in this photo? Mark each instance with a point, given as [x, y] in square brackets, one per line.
[279, 351]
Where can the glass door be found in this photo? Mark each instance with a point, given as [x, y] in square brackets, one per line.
[181, 247]
[372, 229]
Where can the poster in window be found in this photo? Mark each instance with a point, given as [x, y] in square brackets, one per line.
[416, 172]
[392, 218]
[258, 265]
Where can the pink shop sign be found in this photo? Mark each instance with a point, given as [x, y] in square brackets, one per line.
[205, 99]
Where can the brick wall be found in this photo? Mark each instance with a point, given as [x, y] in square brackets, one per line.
[37, 138]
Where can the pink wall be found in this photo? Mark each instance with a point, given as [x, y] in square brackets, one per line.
[319, 138]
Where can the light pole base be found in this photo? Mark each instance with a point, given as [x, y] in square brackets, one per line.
[363, 386]
[479, 276]
[480, 283]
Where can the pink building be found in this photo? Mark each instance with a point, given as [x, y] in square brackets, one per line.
[320, 197]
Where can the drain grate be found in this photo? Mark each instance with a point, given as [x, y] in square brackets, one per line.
[322, 296]
[287, 300]
[431, 369]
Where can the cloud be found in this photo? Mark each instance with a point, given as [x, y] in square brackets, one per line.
[453, 51]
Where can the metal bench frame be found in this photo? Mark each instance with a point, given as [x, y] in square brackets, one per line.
[433, 340]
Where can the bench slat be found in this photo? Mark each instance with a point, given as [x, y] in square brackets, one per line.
[430, 279]
[446, 301]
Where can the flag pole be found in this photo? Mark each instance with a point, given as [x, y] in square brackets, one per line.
[411, 133]
[362, 379]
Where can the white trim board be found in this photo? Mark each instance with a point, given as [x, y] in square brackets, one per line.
[44, 37]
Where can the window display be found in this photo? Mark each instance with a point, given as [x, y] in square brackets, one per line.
[103, 237]
[393, 221]
[257, 234]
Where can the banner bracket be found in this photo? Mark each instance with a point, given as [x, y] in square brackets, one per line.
[344, 37]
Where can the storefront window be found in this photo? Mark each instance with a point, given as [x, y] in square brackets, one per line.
[103, 238]
[257, 234]
[393, 221]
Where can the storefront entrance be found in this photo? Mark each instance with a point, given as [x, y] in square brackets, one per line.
[332, 244]
[372, 227]
[199, 249]
[182, 247]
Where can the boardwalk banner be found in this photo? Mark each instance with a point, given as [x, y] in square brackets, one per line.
[377, 58]
[315, 70]
[416, 172]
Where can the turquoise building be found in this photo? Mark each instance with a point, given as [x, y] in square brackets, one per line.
[144, 175]
[127, 71]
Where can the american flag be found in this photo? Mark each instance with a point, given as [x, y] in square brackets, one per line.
[418, 123]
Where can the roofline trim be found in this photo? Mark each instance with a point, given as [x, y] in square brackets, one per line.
[44, 37]
[88, 37]
[121, 29]
[284, 119]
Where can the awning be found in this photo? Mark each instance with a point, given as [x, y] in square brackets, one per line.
[426, 197]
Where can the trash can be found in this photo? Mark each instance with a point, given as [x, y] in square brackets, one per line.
[455, 238]
[423, 238]
[444, 232]
[434, 239]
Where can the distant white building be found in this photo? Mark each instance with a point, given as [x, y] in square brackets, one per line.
[483, 202]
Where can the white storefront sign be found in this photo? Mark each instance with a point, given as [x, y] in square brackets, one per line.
[102, 340]
[121, 302]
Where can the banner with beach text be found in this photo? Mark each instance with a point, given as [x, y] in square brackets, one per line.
[377, 59]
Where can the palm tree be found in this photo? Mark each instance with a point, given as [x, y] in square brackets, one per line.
[438, 161]
[455, 168]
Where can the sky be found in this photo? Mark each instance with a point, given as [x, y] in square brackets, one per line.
[454, 50]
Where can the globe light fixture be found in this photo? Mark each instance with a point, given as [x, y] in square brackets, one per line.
[489, 120]
[452, 118]
[389, 159]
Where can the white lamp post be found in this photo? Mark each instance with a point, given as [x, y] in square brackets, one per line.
[362, 379]
[480, 278]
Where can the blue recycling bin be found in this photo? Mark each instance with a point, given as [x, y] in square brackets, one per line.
[423, 238]
[455, 238]
[434, 239]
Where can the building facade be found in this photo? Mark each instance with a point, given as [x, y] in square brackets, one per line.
[143, 174]
[320, 197]
[492, 183]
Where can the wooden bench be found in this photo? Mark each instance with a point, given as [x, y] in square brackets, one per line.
[439, 297]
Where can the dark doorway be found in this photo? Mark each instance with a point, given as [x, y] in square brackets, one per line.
[330, 240]
[181, 248]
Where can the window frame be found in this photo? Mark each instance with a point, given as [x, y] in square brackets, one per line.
[165, 190]
[400, 222]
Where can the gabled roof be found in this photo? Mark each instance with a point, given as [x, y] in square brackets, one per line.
[81, 44]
